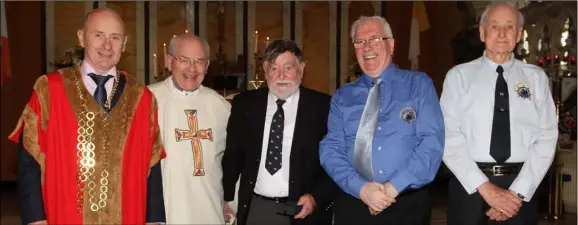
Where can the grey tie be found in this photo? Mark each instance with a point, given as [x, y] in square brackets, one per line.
[364, 137]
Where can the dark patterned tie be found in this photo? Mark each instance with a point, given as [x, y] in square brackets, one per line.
[275, 145]
[500, 142]
[100, 93]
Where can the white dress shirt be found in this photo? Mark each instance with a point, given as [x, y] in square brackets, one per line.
[277, 185]
[85, 69]
[467, 103]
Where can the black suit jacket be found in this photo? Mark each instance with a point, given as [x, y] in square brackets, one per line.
[243, 152]
[30, 191]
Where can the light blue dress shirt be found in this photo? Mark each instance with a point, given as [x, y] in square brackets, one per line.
[407, 150]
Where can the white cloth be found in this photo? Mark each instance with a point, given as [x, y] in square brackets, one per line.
[277, 185]
[191, 199]
[89, 83]
[467, 103]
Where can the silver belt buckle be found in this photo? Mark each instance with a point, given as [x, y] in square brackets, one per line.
[496, 170]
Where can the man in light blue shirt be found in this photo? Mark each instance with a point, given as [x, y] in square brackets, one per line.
[385, 136]
[498, 159]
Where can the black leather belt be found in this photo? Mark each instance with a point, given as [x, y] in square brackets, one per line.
[494, 169]
[275, 199]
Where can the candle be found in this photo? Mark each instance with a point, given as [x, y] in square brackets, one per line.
[165, 55]
[267, 41]
[155, 70]
[186, 31]
[256, 41]
[174, 35]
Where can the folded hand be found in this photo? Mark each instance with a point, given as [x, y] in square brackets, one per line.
[496, 215]
[504, 201]
[374, 195]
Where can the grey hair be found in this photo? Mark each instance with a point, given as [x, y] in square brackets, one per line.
[362, 19]
[176, 39]
[490, 7]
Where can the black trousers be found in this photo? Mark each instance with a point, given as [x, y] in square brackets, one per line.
[411, 208]
[264, 212]
[464, 209]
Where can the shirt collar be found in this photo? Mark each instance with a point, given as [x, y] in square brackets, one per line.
[173, 87]
[288, 100]
[86, 68]
[384, 76]
[492, 65]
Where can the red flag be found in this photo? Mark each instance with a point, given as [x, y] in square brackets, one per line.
[5, 67]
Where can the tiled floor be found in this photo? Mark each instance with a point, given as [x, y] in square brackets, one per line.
[9, 214]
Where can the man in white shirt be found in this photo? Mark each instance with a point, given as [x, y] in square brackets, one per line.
[501, 128]
[193, 121]
[272, 143]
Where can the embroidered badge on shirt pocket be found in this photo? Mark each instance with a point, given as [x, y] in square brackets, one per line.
[408, 115]
[523, 91]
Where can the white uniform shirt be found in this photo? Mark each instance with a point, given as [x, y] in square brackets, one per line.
[190, 196]
[277, 185]
[467, 103]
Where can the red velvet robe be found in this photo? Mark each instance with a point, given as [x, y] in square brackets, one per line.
[49, 122]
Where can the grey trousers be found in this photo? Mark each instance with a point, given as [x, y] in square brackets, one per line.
[264, 212]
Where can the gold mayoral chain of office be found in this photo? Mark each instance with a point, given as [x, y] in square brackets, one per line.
[86, 154]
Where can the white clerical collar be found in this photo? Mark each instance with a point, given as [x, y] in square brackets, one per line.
[86, 68]
[173, 87]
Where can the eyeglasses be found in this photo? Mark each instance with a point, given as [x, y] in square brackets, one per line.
[186, 62]
[374, 41]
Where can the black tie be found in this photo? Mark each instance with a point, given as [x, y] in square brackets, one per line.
[500, 142]
[275, 146]
[100, 92]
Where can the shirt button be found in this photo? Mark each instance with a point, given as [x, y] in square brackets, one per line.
[501, 109]
[378, 128]
[244, 206]
[379, 148]
[501, 93]
[380, 171]
[251, 182]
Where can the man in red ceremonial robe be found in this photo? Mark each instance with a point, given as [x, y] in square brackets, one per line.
[89, 144]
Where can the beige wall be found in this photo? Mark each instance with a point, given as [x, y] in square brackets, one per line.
[127, 11]
[68, 17]
[25, 37]
[316, 37]
[169, 24]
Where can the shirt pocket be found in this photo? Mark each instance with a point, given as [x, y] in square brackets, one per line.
[525, 110]
[401, 119]
[525, 119]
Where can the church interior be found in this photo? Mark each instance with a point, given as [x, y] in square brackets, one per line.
[41, 38]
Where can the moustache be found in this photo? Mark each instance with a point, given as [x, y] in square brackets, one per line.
[285, 82]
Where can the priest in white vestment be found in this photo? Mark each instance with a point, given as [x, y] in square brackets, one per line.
[193, 121]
